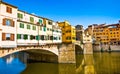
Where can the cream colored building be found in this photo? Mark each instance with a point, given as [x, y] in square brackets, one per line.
[19, 28]
[87, 38]
[57, 33]
[8, 21]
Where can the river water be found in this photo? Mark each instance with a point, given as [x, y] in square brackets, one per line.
[98, 63]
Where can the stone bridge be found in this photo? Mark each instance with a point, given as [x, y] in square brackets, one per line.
[65, 52]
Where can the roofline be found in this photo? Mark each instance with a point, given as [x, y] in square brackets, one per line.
[34, 15]
[1, 2]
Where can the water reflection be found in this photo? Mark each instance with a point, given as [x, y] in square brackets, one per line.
[86, 66]
[12, 64]
[98, 63]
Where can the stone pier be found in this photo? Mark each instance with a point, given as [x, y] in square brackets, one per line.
[88, 49]
[66, 53]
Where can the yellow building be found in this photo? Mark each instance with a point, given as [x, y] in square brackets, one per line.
[68, 32]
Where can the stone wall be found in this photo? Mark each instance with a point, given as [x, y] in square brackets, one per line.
[106, 47]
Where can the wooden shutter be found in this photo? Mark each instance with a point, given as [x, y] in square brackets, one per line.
[12, 37]
[4, 21]
[3, 37]
[12, 23]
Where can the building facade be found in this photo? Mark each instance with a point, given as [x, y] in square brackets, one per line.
[8, 21]
[107, 34]
[19, 28]
[79, 32]
[68, 32]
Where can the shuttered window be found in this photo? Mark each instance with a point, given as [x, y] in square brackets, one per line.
[19, 15]
[8, 22]
[25, 37]
[40, 21]
[7, 36]
[33, 27]
[21, 25]
[18, 36]
[37, 37]
[31, 19]
[44, 28]
[28, 26]
[8, 9]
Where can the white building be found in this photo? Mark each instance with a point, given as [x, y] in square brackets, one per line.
[8, 21]
[87, 38]
[19, 28]
[27, 29]
[57, 34]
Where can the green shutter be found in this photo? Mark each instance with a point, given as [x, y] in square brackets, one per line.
[25, 37]
[21, 25]
[18, 36]
[40, 21]
[19, 15]
[44, 28]
[31, 37]
[31, 19]
[28, 26]
[34, 27]
[37, 37]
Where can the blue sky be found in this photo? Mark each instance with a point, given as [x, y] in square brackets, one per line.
[84, 12]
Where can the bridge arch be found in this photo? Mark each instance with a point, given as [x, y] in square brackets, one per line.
[6, 51]
[78, 49]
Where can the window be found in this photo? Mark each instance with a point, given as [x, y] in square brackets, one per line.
[21, 25]
[7, 36]
[42, 37]
[50, 22]
[19, 15]
[8, 9]
[40, 21]
[32, 37]
[28, 26]
[48, 29]
[34, 28]
[44, 28]
[51, 37]
[59, 38]
[18, 36]
[25, 37]
[31, 19]
[37, 37]
[8, 22]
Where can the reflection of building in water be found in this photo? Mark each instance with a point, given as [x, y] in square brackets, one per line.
[87, 65]
[21, 56]
[9, 59]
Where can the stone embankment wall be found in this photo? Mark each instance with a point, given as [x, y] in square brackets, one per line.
[106, 47]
